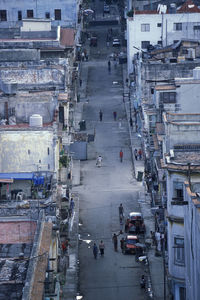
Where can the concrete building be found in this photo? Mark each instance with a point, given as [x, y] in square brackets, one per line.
[63, 13]
[28, 154]
[174, 97]
[181, 157]
[162, 28]
[191, 240]
[26, 256]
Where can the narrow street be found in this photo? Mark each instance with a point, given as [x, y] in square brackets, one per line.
[114, 276]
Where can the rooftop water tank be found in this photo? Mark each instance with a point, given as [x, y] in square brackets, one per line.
[35, 121]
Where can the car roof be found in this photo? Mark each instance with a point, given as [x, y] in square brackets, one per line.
[132, 237]
[135, 214]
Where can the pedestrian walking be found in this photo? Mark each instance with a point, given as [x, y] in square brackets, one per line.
[72, 205]
[115, 241]
[121, 154]
[140, 153]
[100, 115]
[101, 248]
[122, 242]
[109, 66]
[136, 154]
[127, 224]
[99, 161]
[95, 250]
[115, 115]
[121, 211]
[121, 222]
[153, 238]
[83, 56]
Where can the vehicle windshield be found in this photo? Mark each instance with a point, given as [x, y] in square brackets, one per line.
[132, 242]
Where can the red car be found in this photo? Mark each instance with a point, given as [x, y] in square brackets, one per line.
[130, 244]
[135, 223]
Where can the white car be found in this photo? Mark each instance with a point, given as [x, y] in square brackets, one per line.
[116, 43]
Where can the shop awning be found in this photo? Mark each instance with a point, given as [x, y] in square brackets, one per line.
[5, 177]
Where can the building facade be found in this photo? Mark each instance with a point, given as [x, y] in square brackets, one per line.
[148, 28]
[191, 240]
[63, 13]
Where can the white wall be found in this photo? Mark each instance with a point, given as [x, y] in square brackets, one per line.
[35, 25]
[192, 249]
[15, 147]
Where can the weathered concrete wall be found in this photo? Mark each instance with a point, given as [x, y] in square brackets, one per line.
[25, 77]
[29, 44]
[19, 54]
[192, 248]
[182, 134]
[27, 151]
[15, 232]
[153, 73]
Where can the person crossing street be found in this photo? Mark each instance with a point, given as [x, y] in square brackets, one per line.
[121, 154]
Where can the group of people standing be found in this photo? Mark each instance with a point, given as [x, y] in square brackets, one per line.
[100, 249]
[138, 154]
[101, 115]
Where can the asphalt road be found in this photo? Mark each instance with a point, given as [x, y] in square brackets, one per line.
[114, 276]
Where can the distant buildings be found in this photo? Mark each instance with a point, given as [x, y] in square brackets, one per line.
[163, 66]
[147, 29]
[39, 71]
[63, 13]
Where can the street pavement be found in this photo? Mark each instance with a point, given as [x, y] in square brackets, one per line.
[101, 190]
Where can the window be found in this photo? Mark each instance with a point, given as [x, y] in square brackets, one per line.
[47, 15]
[145, 44]
[48, 151]
[57, 14]
[177, 26]
[168, 97]
[196, 27]
[179, 257]
[29, 13]
[145, 27]
[159, 43]
[19, 15]
[178, 191]
[3, 15]
[159, 25]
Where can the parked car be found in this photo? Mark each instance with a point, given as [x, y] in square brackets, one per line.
[130, 244]
[116, 43]
[135, 223]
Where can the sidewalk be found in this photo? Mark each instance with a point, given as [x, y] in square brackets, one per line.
[156, 267]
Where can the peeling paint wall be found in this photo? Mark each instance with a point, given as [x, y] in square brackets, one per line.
[19, 232]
